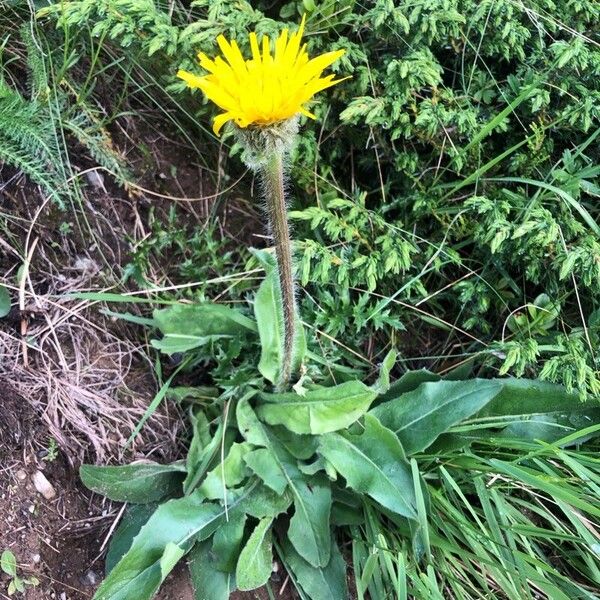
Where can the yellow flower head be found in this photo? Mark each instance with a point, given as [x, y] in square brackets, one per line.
[266, 89]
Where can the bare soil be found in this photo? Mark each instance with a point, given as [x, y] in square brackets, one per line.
[56, 540]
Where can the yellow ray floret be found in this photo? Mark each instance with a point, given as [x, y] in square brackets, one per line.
[267, 88]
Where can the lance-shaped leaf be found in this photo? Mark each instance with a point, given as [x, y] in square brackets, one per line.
[263, 502]
[530, 396]
[408, 382]
[256, 558]
[382, 385]
[188, 326]
[4, 302]
[309, 529]
[202, 450]
[373, 463]
[319, 411]
[263, 464]
[269, 319]
[167, 536]
[319, 583]
[135, 517]
[228, 474]
[227, 541]
[309, 526]
[138, 483]
[207, 580]
[420, 416]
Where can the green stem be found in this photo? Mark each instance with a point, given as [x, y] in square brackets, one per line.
[274, 181]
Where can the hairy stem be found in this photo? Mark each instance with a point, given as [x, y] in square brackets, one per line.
[273, 172]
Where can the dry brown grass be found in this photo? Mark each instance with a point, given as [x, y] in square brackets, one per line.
[88, 377]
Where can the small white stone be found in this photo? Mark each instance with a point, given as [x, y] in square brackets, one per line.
[43, 486]
[90, 578]
[96, 179]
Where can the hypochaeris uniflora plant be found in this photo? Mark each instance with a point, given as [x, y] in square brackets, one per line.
[284, 474]
[263, 97]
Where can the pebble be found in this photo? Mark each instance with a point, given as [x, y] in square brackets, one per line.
[43, 486]
[96, 180]
[21, 475]
[90, 578]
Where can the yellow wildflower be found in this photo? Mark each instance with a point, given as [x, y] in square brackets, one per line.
[266, 89]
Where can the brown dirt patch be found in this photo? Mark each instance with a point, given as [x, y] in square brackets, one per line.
[56, 540]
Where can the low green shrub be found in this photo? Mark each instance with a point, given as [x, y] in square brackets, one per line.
[457, 170]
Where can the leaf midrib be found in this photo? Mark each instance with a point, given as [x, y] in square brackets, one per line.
[312, 403]
[443, 405]
[377, 468]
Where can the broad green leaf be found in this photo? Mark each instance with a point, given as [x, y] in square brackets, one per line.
[269, 319]
[176, 523]
[228, 474]
[263, 464]
[139, 483]
[343, 515]
[319, 411]
[188, 326]
[538, 410]
[201, 438]
[4, 301]
[228, 540]
[8, 563]
[208, 581]
[171, 556]
[174, 343]
[319, 464]
[407, 383]
[420, 416]
[135, 517]
[530, 396]
[309, 527]
[319, 583]
[250, 427]
[256, 558]
[263, 502]
[130, 318]
[550, 427]
[373, 463]
[298, 445]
